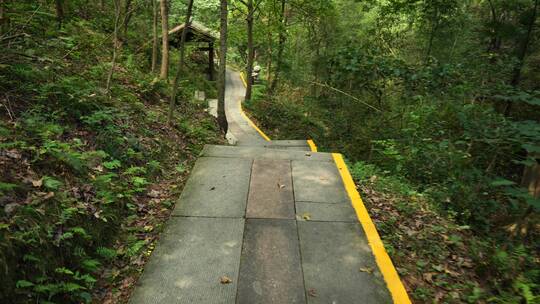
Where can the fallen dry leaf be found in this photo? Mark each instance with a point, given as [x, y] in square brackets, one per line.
[306, 216]
[48, 196]
[366, 269]
[429, 277]
[37, 183]
[13, 154]
[225, 280]
[280, 186]
[312, 292]
[154, 194]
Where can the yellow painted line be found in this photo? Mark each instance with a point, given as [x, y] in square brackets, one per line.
[251, 123]
[243, 79]
[312, 145]
[391, 277]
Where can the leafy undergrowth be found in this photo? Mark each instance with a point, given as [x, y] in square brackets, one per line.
[282, 115]
[441, 257]
[87, 177]
[83, 205]
[438, 260]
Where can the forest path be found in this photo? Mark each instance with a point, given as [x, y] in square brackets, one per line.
[239, 126]
[265, 222]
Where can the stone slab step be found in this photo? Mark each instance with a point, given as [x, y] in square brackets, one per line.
[253, 152]
[318, 182]
[299, 145]
[189, 261]
[270, 269]
[212, 107]
[338, 265]
[271, 190]
[217, 187]
[325, 212]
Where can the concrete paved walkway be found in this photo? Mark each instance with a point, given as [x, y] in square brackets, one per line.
[262, 222]
[239, 126]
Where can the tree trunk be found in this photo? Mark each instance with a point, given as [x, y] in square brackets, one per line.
[211, 68]
[165, 40]
[432, 34]
[59, 4]
[269, 52]
[2, 17]
[495, 40]
[102, 4]
[251, 51]
[222, 118]
[281, 47]
[522, 53]
[127, 18]
[531, 179]
[155, 35]
[115, 42]
[182, 47]
[524, 47]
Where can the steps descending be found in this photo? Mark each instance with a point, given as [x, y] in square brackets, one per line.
[277, 223]
[301, 145]
[259, 152]
[262, 222]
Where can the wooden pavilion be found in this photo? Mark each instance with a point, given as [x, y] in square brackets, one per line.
[199, 34]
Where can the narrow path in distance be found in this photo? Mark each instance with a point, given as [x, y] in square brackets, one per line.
[239, 126]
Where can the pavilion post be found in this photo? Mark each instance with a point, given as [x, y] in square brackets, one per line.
[211, 60]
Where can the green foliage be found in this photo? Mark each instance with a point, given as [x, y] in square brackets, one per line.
[428, 98]
[6, 187]
[79, 160]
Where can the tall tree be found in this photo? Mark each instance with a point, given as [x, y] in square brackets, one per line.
[522, 53]
[128, 12]
[116, 42]
[154, 35]
[252, 7]
[222, 118]
[525, 43]
[181, 61]
[165, 39]
[2, 16]
[495, 40]
[281, 45]
[59, 6]
[269, 47]
[251, 48]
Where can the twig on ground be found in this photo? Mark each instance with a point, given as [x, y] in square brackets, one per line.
[7, 106]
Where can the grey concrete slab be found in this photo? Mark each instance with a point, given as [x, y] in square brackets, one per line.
[271, 190]
[338, 265]
[318, 182]
[212, 107]
[191, 257]
[279, 146]
[297, 148]
[296, 143]
[217, 187]
[253, 152]
[300, 145]
[270, 269]
[325, 212]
